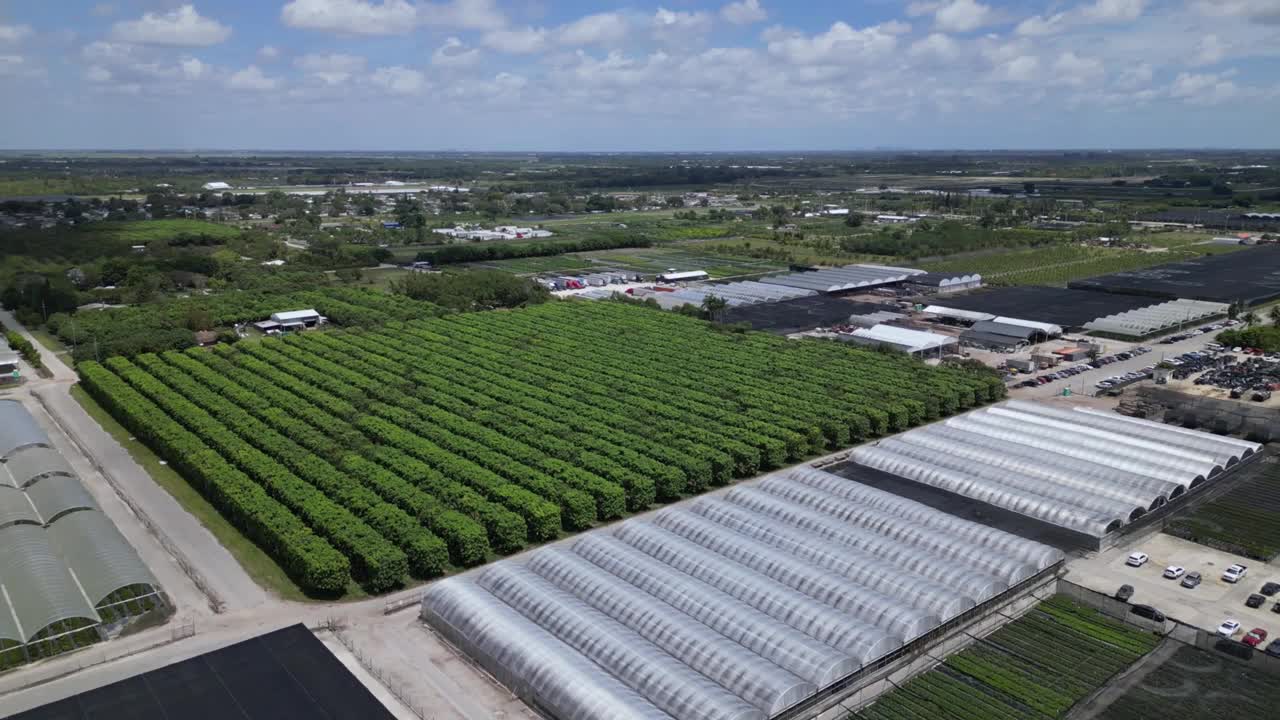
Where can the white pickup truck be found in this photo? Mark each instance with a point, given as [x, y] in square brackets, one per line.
[1235, 573]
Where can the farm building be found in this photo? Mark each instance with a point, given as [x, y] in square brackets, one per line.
[843, 279]
[1157, 318]
[914, 342]
[62, 562]
[1000, 336]
[956, 316]
[8, 360]
[1084, 470]
[684, 276]
[739, 606]
[297, 319]
[942, 283]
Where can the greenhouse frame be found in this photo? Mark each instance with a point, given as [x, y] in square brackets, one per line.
[1080, 469]
[64, 567]
[1157, 318]
[737, 606]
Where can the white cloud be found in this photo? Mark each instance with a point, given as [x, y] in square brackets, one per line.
[1114, 10]
[675, 25]
[842, 43]
[101, 51]
[193, 69]
[1203, 89]
[399, 80]
[13, 66]
[103, 9]
[268, 53]
[1210, 51]
[97, 74]
[1019, 69]
[330, 69]
[962, 16]
[1041, 25]
[1266, 12]
[599, 29]
[521, 41]
[937, 46]
[744, 12]
[1071, 69]
[1135, 77]
[463, 14]
[351, 17]
[455, 53]
[183, 27]
[14, 33]
[252, 78]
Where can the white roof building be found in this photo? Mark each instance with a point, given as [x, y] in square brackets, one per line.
[296, 316]
[216, 186]
[911, 341]
[682, 276]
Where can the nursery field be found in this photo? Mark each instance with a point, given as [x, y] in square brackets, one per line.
[1202, 685]
[1036, 667]
[1244, 521]
[1061, 264]
[382, 455]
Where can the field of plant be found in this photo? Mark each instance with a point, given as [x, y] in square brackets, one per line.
[1036, 667]
[101, 239]
[1059, 265]
[1244, 521]
[1200, 685]
[380, 455]
[169, 324]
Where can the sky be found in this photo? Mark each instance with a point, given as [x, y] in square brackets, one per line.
[678, 75]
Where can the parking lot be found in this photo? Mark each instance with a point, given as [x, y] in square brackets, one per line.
[1205, 606]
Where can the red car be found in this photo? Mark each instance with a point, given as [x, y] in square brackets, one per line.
[1255, 637]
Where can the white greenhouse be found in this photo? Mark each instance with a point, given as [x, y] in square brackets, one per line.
[1081, 469]
[738, 606]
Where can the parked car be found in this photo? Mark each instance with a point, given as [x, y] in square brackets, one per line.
[1273, 649]
[1270, 589]
[1147, 612]
[1173, 572]
[1191, 580]
[1229, 628]
[1137, 559]
[1124, 593]
[1235, 573]
[1276, 608]
[1255, 601]
[1255, 637]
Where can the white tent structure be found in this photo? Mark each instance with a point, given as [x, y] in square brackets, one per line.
[739, 606]
[1157, 318]
[1080, 469]
[910, 341]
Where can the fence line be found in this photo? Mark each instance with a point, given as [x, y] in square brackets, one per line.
[216, 603]
[392, 684]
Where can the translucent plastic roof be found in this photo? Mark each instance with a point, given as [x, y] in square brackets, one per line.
[17, 429]
[59, 555]
[1080, 469]
[33, 463]
[1152, 319]
[738, 606]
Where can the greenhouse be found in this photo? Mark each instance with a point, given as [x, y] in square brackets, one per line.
[841, 279]
[739, 606]
[1157, 318]
[1081, 469]
[64, 567]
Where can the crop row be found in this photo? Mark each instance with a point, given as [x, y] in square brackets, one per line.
[427, 444]
[1038, 666]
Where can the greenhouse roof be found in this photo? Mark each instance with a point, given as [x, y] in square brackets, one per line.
[17, 429]
[739, 606]
[59, 555]
[1157, 318]
[1079, 469]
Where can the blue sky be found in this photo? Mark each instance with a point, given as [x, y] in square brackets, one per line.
[669, 75]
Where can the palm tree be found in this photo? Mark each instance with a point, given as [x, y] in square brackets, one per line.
[1275, 315]
[713, 305]
[1250, 319]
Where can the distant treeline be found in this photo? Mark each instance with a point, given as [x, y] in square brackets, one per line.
[452, 254]
[946, 238]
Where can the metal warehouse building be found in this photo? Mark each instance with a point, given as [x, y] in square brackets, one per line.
[1084, 470]
[739, 606]
[61, 560]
